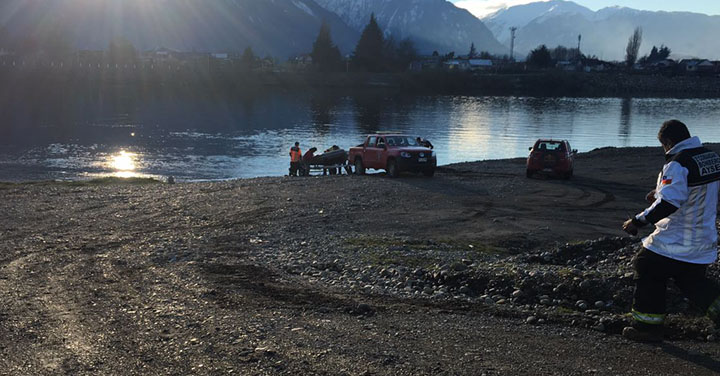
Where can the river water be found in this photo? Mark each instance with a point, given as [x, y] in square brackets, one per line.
[196, 138]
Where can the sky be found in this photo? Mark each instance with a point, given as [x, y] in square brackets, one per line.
[483, 7]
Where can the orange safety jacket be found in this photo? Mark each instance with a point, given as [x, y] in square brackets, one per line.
[295, 154]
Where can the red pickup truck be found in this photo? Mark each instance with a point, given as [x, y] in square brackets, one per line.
[394, 153]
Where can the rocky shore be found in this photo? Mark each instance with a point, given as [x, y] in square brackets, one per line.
[476, 271]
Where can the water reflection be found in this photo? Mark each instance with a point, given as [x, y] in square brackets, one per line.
[203, 138]
[369, 111]
[322, 108]
[124, 164]
[625, 120]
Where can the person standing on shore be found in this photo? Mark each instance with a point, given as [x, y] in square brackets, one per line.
[685, 240]
[307, 160]
[424, 142]
[295, 159]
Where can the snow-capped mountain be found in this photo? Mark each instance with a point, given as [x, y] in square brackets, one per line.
[605, 33]
[431, 24]
[501, 21]
[279, 28]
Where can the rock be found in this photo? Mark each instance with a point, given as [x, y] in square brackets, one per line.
[516, 293]
[464, 290]
[363, 309]
[582, 305]
[599, 304]
[531, 320]
[711, 338]
[599, 327]
[545, 301]
[459, 267]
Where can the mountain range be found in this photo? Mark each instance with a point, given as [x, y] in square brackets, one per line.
[605, 32]
[434, 25]
[279, 28]
[283, 28]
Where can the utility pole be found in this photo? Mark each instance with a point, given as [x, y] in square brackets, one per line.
[579, 39]
[512, 43]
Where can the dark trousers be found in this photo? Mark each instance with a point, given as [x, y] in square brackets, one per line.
[651, 274]
[295, 167]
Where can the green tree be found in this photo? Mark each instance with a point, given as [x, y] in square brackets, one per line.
[563, 53]
[368, 54]
[248, 60]
[486, 55]
[405, 54]
[656, 55]
[325, 54]
[56, 41]
[121, 51]
[473, 52]
[4, 38]
[540, 57]
[633, 47]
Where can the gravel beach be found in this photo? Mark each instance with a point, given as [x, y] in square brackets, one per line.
[477, 271]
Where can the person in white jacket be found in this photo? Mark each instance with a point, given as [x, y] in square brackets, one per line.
[685, 240]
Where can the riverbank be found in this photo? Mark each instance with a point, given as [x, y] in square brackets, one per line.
[476, 271]
[550, 83]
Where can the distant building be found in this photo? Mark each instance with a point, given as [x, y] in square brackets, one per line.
[90, 58]
[696, 66]
[426, 63]
[597, 65]
[301, 62]
[480, 64]
[567, 65]
[456, 65]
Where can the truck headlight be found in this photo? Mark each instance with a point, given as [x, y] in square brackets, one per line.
[405, 155]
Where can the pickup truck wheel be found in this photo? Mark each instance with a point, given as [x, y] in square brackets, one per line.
[429, 173]
[359, 169]
[392, 169]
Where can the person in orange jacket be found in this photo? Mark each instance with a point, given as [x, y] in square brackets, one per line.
[295, 159]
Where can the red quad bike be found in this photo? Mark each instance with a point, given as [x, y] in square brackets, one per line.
[551, 155]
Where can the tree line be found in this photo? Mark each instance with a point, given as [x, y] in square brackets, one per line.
[544, 57]
[373, 52]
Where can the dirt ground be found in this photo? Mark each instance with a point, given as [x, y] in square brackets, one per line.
[223, 278]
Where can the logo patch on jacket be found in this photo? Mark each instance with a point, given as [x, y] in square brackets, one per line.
[666, 180]
[708, 163]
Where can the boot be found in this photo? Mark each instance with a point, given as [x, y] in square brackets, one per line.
[654, 334]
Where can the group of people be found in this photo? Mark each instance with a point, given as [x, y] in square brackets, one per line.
[300, 163]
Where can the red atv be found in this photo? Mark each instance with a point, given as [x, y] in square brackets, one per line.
[555, 156]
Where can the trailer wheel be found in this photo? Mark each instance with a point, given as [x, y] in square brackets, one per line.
[392, 169]
[359, 169]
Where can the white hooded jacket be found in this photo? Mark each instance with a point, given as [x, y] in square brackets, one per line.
[689, 182]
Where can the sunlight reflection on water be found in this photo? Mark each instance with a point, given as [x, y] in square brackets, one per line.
[201, 139]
